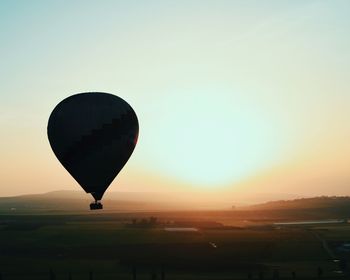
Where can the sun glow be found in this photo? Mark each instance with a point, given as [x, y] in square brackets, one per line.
[210, 139]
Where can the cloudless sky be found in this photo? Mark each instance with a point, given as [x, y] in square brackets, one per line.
[245, 95]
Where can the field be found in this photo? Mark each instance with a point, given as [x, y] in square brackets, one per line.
[129, 246]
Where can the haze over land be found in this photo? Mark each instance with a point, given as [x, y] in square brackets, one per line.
[75, 201]
[135, 201]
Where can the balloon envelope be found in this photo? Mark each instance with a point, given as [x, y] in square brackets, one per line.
[93, 135]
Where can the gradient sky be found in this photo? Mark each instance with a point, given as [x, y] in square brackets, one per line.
[231, 95]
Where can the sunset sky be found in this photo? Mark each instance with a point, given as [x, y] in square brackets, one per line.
[231, 96]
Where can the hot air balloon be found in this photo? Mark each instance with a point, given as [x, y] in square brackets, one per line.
[93, 135]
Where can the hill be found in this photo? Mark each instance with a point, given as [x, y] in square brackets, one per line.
[305, 203]
[78, 202]
[65, 201]
[303, 209]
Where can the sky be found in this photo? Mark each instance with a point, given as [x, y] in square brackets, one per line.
[231, 96]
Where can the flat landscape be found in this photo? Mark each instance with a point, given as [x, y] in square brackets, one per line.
[232, 244]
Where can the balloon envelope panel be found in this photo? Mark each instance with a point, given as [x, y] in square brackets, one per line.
[93, 135]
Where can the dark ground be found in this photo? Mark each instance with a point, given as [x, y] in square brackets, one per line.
[228, 245]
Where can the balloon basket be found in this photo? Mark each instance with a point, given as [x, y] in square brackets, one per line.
[96, 206]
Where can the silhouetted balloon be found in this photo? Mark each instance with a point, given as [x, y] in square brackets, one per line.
[93, 135]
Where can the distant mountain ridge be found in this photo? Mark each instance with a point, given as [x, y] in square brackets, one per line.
[62, 201]
[78, 201]
[305, 203]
